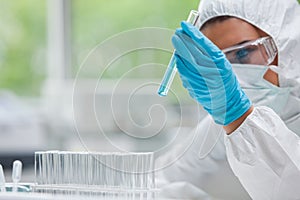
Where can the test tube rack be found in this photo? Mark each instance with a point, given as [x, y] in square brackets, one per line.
[85, 175]
[111, 174]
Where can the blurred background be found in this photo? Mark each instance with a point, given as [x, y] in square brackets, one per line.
[83, 76]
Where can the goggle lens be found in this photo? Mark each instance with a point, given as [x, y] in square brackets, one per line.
[261, 52]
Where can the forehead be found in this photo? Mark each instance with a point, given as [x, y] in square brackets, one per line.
[231, 31]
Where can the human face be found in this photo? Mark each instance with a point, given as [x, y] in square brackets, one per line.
[234, 31]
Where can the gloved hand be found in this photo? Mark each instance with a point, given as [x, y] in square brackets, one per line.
[208, 76]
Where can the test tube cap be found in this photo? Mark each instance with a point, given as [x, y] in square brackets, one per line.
[17, 171]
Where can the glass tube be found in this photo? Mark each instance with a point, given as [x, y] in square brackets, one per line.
[62, 171]
[171, 69]
[2, 180]
[16, 174]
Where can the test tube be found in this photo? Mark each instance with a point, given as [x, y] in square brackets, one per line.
[2, 180]
[171, 69]
[16, 174]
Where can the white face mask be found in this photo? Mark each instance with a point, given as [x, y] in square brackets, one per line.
[260, 91]
[263, 93]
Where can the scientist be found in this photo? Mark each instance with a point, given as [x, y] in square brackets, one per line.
[244, 69]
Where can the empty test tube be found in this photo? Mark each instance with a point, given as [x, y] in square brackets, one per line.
[16, 174]
[2, 180]
[109, 173]
[171, 69]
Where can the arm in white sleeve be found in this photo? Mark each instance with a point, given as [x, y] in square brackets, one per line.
[198, 165]
[265, 155]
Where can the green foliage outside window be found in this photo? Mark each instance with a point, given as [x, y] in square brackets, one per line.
[22, 45]
[23, 33]
[96, 20]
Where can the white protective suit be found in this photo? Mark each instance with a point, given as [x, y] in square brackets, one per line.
[264, 152]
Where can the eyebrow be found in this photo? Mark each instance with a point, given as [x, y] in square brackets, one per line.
[238, 44]
[244, 41]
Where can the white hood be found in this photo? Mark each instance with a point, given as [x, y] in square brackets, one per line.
[280, 19]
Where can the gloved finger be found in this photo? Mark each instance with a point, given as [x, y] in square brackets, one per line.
[209, 47]
[188, 50]
[186, 69]
[186, 76]
[193, 82]
[195, 49]
[206, 68]
[182, 52]
[200, 47]
[188, 73]
[205, 81]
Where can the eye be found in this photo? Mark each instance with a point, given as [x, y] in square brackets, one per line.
[243, 55]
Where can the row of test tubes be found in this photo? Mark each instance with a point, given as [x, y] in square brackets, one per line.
[111, 171]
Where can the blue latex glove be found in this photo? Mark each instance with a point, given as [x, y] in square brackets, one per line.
[208, 76]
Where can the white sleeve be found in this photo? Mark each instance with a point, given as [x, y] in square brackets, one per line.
[265, 155]
[198, 165]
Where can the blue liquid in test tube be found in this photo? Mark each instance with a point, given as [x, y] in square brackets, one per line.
[172, 69]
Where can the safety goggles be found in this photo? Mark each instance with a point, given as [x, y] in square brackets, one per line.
[259, 52]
